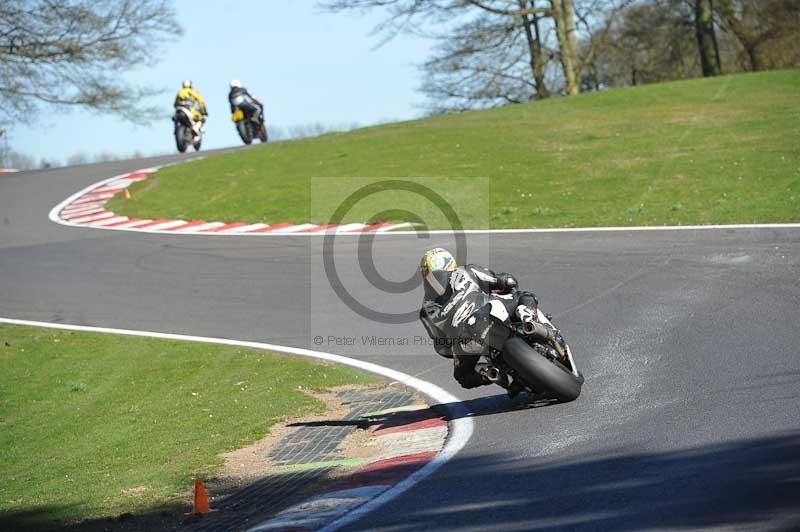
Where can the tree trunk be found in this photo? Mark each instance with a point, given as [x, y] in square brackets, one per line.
[752, 54]
[531, 27]
[706, 39]
[564, 18]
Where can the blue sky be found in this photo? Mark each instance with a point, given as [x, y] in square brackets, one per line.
[305, 65]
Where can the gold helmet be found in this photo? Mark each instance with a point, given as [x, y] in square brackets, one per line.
[436, 259]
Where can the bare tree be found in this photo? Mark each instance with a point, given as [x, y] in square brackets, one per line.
[563, 13]
[767, 30]
[78, 158]
[73, 52]
[706, 37]
[20, 161]
[485, 62]
[493, 52]
[651, 41]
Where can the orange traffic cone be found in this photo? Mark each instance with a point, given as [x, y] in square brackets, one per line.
[127, 194]
[200, 504]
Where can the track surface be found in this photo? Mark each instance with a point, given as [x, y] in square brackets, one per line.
[690, 416]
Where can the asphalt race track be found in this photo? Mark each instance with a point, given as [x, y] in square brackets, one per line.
[689, 418]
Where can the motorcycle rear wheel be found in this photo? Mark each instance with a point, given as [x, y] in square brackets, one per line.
[541, 373]
[244, 131]
[262, 133]
[180, 138]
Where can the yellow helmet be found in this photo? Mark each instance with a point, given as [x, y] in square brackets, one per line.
[436, 259]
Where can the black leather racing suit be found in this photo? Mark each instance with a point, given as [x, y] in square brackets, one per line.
[251, 107]
[449, 300]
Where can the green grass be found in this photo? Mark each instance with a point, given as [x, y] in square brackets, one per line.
[721, 150]
[96, 425]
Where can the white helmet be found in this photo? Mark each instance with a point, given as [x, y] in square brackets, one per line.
[235, 84]
[187, 84]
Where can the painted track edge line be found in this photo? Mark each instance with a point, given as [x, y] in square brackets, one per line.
[55, 211]
[461, 425]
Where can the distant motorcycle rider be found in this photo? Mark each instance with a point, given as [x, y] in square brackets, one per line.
[240, 97]
[448, 304]
[189, 98]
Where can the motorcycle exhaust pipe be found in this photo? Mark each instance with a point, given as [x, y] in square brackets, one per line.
[533, 328]
[543, 333]
[493, 374]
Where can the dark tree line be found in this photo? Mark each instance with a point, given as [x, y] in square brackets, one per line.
[659, 40]
[493, 52]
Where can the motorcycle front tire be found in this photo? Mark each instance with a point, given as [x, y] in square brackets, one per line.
[541, 373]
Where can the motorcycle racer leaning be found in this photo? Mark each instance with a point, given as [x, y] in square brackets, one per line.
[189, 98]
[449, 300]
[240, 97]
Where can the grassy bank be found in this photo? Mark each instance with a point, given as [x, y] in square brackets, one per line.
[96, 425]
[721, 150]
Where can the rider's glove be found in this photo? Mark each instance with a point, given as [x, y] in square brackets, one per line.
[507, 282]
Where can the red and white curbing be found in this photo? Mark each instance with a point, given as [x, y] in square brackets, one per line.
[87, 209]
[401, 448]
[8, 170]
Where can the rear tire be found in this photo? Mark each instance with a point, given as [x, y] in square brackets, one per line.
[180, 138]
[541, 373]
[262, 133]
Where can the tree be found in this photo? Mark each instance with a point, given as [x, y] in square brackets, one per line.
[77, 158]
[485, 62]
[767, 30]
[73, 52]
[650, 42]
[563, 13]
[20, 161]
[488, 52]
[706, 38]
[493, 52]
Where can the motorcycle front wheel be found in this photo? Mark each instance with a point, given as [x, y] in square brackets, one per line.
[262, 133]
[541, 373]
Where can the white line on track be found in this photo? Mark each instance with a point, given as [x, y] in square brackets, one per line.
[200, 228]
[389, 230]
[461, 425]
[245, 228]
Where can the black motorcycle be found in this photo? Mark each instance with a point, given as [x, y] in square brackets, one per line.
[249, 121]
[529, 355]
